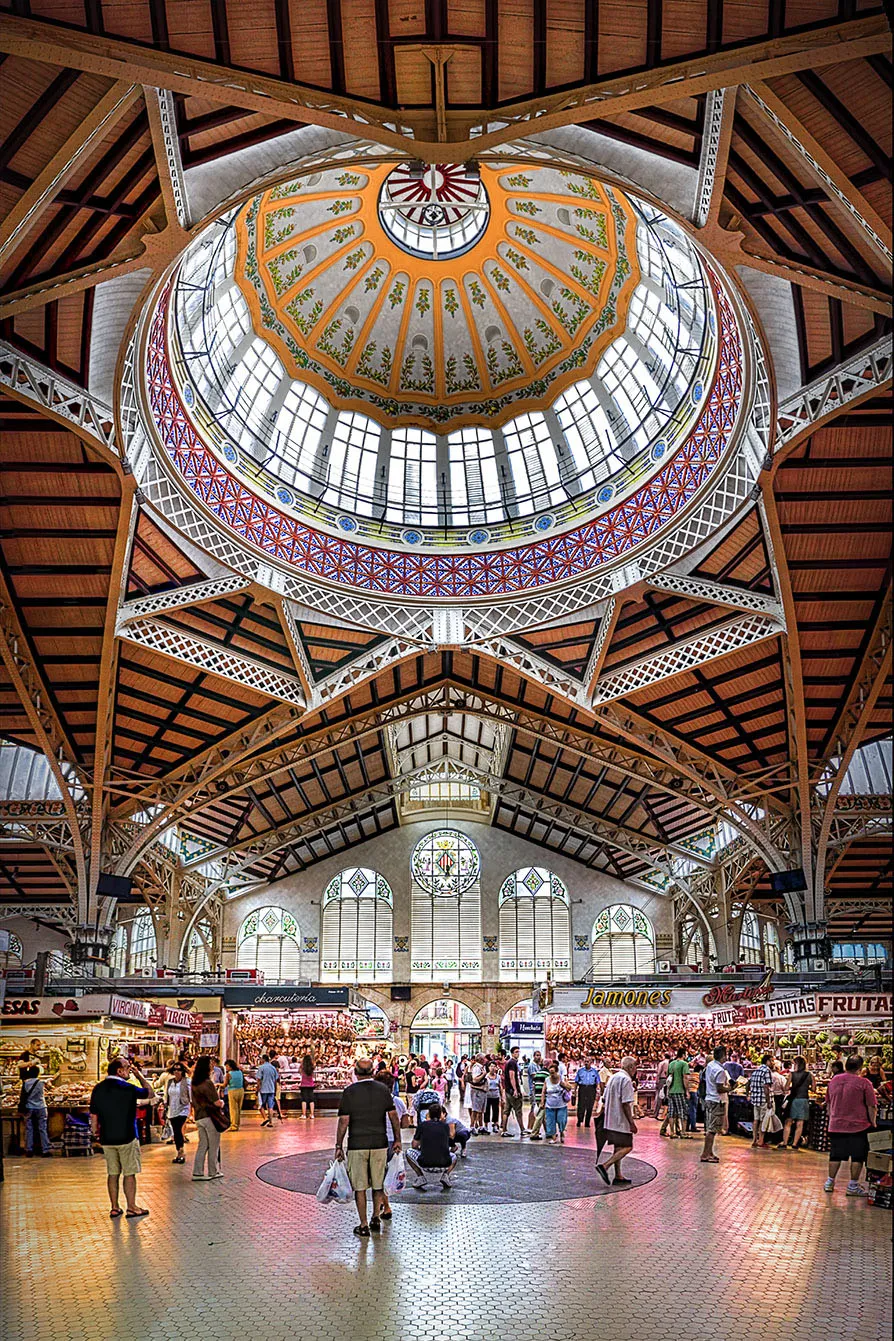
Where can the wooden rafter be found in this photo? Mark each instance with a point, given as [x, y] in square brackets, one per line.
[670, 82]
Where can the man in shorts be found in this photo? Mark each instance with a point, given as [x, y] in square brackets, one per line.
[113, 1122]
[852, 1104]
[361, 1118]
[512, 1095]
[717, 1084]
[617, 1113]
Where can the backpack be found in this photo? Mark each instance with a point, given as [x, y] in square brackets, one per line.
[702, 1091]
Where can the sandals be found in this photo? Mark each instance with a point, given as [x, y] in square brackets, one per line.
[386, 1215]
[362, 1231]
[135, 1215]
[709, 1159]
[113, 1215]
[375, 1223]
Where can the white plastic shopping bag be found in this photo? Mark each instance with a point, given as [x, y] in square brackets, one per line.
[771, 1123]
[336, 1185]
[396, 1177]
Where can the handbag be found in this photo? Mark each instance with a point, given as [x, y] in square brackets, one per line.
[220, 1118]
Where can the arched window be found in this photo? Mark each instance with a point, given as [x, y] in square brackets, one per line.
[357, 926]
[269, 940]
[772, 954]
[535, 926]
[198, 954]
[788, 957]
[143, 951]
[12, 958]
[692, 943]
[446, 908]
[750, 939]
[118, 953]
[623, 942]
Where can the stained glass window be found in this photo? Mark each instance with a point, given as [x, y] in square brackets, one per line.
[446, 908]
[535, 927]
[357, 927]
[623, 942]
[269, 940]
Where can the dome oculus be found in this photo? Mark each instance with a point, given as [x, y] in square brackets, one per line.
[440, 210]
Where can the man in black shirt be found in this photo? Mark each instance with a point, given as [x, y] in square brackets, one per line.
[512, 1094]
[113, 1122]
[365, 1106]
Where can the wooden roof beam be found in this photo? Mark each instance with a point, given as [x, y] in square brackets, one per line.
[115, 58]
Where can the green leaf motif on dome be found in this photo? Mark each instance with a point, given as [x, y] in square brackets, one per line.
[477, 293]
[342, 234]
[348, 179]
[424, 382]
[499, 280]
[519, 181]
[592, 279]
[585, 187]
[273, 233]
[451, 302]
[515, 258]
[552, 343]
[340, 207]
[305, 321]
[338, 352]
[511, 368]
[367, 367]
[454, 382]
[527, 235]
[396, 295]
[373, 279]
[527, 207]
[423, 300]
[597, 234]
[285, 272]
[579, 309]
[354, 259]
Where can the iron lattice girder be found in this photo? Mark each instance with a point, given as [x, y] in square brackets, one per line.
[857, 378]
[163, 602]
[841, 907]
[42, 912]
[30, 381]
[671, 774]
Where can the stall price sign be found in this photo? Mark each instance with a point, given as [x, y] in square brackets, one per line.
[853, 1003]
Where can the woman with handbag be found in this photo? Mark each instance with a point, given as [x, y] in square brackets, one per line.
[210, 1120]
[177, 1107]
[797, 1104]
[554, 1102]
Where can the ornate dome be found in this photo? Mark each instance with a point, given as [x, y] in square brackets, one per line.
[444, 360]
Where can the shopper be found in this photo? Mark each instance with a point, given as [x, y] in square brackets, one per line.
[476, 1089]
[716, 1081]
[277, 1092]
[534, 1068]
[512, 1094]
[494, 1099]
[217, 1073]
[760, 1092]
[113, 1122]
[307, 1085]
[33, 1107]
[661, 1092]
[365, 1106]
[177, 1103]
[586, 1090]
[268, 1077]
[852, 1105]
[205, 1101]
[692, 1083]
[554, 1103]
[677, 1101]
[235, 1092]
[799, 1086]
[874, 1073]
[619, 1124]
[449, 1079]
[779, 1087]
[433, 1141]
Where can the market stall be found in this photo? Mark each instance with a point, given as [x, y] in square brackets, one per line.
[73, 1040]
[290, 1023]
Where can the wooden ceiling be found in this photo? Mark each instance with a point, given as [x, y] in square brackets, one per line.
[62, 505]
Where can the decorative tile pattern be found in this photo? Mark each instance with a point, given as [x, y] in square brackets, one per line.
[310, 945]
[402, 944]
[490, 944]
[582, 942]
[637, 519]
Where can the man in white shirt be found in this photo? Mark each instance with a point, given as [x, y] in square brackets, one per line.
[617, 1115]
[717, 1084]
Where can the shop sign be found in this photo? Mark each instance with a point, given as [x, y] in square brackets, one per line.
[526, 1028]
[175, 1018]
[54, 1008]
[790, 1007]
[285, 998]
[727, 995]
[649, 998]
[128, 1008]
[856, 1003]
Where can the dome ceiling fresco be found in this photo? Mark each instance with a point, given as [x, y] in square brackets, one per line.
[467, 330]
[446, 383]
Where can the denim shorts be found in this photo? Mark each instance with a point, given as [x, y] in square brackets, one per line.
[267, 1101]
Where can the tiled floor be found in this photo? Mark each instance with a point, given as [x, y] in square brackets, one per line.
[749, 1249]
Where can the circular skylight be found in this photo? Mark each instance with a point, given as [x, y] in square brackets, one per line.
[438, 209]
[335, 369]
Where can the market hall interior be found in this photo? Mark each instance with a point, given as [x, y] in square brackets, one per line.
[445, 625]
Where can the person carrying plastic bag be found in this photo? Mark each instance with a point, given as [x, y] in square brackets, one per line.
[336, 1185]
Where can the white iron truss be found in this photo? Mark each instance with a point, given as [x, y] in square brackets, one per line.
[164, 601]
[863, 375]
[707, 168]
[168, 122]
[685, 655]
[62, 913]
[831, 186]
[840, 907]
[699, 590]
[32, 382]
[215, 660]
